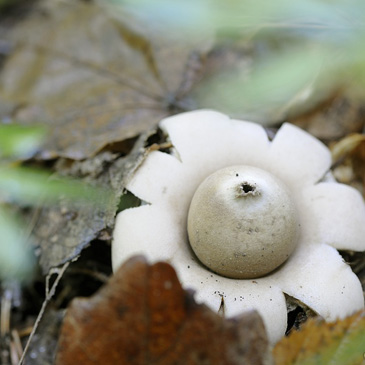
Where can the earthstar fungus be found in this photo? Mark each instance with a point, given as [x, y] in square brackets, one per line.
[228, 206]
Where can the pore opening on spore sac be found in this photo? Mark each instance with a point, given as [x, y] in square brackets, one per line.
[247, 188]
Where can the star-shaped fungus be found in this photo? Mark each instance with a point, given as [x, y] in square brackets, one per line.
[246, 219]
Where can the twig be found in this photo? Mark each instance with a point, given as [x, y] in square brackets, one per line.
[49, 294]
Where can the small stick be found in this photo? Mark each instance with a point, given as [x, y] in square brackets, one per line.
[49, 294]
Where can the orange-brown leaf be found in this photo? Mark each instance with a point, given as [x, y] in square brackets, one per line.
[143, 316]
[341, 342]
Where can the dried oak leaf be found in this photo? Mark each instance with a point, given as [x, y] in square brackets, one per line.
[143, 316]
[94, 79]
[318, 342]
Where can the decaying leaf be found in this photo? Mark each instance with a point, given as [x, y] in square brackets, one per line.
[338, 115]
[318, 342]
[92, 78]
[143, 316]
[64, 230]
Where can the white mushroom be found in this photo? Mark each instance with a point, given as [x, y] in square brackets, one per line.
[321, 215]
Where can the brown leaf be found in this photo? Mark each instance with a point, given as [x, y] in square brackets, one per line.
[64, 230]
[93, 79]
[334, 118]
[143, 316]
[318, 342]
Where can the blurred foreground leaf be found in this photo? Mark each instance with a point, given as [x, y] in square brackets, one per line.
[244, 15]
[271, 87]
[304, 49]
[72, 198]
[16, 257]
[20, 141]
[30, 186]
[26, 186]
[318, 342]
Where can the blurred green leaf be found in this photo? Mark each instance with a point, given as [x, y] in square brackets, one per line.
[16, 256]
[29, 186]
[36, 187]
[19, 141]
[26, 186]
[271, 85]
[306, 17]
[307, 48]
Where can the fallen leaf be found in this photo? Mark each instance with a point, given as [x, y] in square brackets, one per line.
[94, 79]
[318, 342]
[333, 118]
[62, 231]
[143, 316]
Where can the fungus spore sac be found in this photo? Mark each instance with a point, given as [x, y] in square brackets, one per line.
[242, 222]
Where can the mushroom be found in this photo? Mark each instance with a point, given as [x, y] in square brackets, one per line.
[228, 205]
